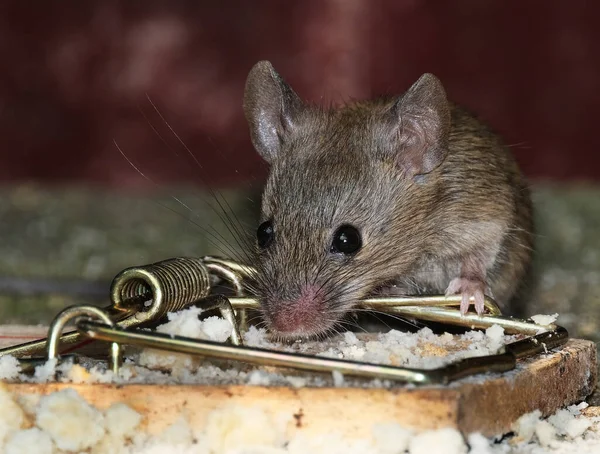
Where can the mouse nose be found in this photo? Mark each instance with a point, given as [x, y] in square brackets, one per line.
[302, 315]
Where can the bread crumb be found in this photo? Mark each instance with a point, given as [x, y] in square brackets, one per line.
[545, 433]
[524, 427]
[560, 420]
[13, 416]
[231, 427]
[9, 368]
[391, 438]
[495, 333]
[46, 372]
[577, 427]
[121, 420]
[259, 377]
[77, 374]
[178, 433]
[442, 441]
[29, 441]
[479, 444]
[544, 319]
[72, 423]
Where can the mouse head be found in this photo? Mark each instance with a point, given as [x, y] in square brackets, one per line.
[345, 206]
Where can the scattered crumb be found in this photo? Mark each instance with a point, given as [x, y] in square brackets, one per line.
[12, 416]
[234, 426]
[545, 433]
[544, 319]
[9, 368]
[496, 335]
[391, 438]
[28, 441]
[121, 420]
[71, 422]
[46, 372]
[178, 433]
[478, 444]
[442, 441]
[524, 427]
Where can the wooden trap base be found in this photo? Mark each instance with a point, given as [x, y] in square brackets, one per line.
[483, 404]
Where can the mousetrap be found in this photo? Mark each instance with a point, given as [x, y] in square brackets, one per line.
[541, 369]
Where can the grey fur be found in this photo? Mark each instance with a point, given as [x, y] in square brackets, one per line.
[433, 192]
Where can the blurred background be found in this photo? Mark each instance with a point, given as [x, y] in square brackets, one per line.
[164, 81]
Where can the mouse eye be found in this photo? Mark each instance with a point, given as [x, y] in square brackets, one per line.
[265, 234]
[346, 240]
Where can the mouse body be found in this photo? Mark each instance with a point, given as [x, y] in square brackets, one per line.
[403, 195]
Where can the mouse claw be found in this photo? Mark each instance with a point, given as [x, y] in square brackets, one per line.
[468, 288]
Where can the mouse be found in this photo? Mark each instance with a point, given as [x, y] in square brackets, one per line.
[398, 195]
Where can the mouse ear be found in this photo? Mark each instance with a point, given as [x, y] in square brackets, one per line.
[271, 108]
[422, 118]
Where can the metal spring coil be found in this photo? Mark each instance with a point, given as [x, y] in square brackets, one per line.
[168, 286]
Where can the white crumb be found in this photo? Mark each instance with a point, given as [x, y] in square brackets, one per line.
[29, 441]
[235, 426]
[576, 409]
[9, 368]
[560, 420]
[577, 427]
[12, 416]
[544, 319]
[71, 422]
[259, 377]
[178, 433]
[496, 335]
[442, 441]
[524, 427]
[391, 438]
[121, 420]
[479, 444]
[46, 372]
[545, 433]
[328, 444]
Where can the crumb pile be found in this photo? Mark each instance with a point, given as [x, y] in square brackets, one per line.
[63, 422]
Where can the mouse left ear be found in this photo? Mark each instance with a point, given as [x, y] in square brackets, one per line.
[422, 125]
[271, 108]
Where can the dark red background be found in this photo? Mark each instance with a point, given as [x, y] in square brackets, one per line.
[75, 75]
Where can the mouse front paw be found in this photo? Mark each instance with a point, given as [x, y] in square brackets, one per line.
[468, 288]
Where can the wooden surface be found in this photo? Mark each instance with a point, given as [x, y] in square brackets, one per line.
[485, 404]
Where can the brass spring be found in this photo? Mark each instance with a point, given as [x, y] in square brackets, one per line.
[161, 287]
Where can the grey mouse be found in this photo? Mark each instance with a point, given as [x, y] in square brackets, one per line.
[403, 195]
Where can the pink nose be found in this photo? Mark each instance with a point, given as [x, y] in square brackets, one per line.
[292, 321]
[298, 316]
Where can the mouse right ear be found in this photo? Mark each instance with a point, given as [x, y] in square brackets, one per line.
[271, 108]
[421, 126]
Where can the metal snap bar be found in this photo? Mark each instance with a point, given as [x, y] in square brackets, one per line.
[470, 366]
[434, 308]
[70, 313]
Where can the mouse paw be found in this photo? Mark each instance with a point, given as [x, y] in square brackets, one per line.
[468, 288]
